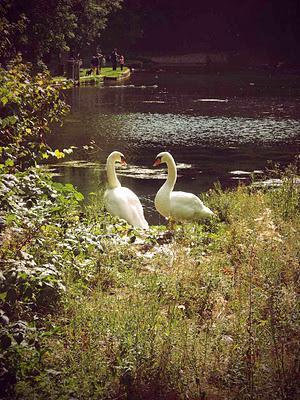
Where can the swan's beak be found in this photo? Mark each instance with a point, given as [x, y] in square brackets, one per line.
[123, 161]
[157, 162]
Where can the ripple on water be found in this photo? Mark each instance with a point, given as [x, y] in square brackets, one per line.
[189, 130]
[130, 171]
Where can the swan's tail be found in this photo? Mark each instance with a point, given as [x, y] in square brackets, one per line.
[206, 212]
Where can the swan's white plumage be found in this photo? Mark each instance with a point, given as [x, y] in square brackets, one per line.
[121, 201]
[180, 206]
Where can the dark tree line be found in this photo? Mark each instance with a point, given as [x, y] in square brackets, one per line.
[37, 28]
[40, 27]
[270, 26]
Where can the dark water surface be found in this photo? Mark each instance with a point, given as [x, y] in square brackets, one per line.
[217, 126]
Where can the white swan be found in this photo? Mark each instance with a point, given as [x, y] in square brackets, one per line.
[180, 206]
[121, 201]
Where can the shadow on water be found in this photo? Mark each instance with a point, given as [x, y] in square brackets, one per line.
[216, 123]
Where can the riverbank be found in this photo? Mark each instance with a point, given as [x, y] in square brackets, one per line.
[106, 74]
[91, 308]
[88, 78]
[207, 311]
[215, 61]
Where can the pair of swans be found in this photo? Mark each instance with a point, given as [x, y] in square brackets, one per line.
[122, 202]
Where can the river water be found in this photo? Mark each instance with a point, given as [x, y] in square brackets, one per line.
[218, 127]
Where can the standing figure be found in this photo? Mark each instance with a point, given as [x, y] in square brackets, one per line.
[100, 61]
[114, 59]
[122, 61]
[94, 64]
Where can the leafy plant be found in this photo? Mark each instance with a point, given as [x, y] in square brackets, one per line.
[28, 106]
[63, 25]
[33, 215]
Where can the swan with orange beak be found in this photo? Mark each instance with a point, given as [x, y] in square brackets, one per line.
[175, 205]
[121, 201]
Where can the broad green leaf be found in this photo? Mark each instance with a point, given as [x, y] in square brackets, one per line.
[3, 296]
[58, 154]
[79, 196]
[9, 163]
[13, 119]
[10, 218]
[69, 186]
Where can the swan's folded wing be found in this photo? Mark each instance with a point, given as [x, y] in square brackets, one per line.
[123, 203]
[183, 205]
[137, 212]
[187, 206]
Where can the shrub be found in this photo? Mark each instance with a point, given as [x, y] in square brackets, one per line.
[28, 105]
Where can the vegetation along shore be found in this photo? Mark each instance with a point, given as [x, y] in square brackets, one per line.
[91, 308]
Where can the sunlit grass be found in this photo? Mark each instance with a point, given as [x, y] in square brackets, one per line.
[105, 72]
[210, 312]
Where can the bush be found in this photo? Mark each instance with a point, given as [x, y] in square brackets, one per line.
[31, 207]
[212, 312]
[35, 214]
[28, 105]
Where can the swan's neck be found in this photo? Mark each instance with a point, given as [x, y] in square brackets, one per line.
[113, 181]
[163, 197]
[172, 175]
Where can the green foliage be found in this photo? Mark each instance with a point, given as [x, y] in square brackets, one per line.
[129, 16]
[41, 31]
[62, 25]
[9, 31]
[285, 198]
[106, 72]
[208, 310]
[28, 105]
[91, 17]
[34, 216]
[45, 244]
[91, 308]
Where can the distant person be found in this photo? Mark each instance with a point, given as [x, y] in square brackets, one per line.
[94, 64]
[100, 61]
[78, 59]
[114, 59]
[122, 61]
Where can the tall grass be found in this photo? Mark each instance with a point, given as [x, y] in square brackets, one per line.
[212, 313]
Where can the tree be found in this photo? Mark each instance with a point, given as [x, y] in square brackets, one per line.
[29, 104]
[51, 26]
[9, 32]
[125, 27]
[91, 17]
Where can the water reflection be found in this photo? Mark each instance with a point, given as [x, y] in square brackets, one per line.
[215, 123]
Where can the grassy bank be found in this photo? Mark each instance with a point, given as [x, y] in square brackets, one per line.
[210, 311]
[92, 309]
[106, 73]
